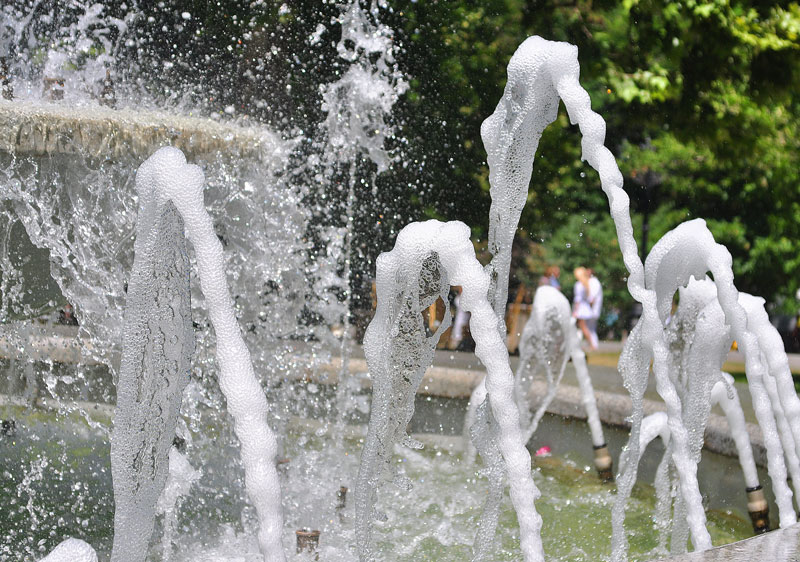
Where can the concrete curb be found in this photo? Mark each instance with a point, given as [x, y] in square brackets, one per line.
[613, 408]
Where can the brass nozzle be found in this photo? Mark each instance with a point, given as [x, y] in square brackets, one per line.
[758, 508]
[603, 463]
[308, 541]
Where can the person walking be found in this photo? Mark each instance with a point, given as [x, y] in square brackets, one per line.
[587, 303]
[550, 277]
[460, 324]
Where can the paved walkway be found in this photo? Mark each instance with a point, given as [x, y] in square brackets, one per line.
[455, 372]
[605, 377]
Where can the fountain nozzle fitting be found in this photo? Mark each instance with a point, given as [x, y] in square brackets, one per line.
[107, 95]
[308, 541]
[758, 508]
[603, 463]
[341, 497]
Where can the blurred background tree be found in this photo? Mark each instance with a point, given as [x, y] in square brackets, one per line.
[701, 103]
[700, 97]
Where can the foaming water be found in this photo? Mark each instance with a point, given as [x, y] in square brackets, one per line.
[434, 521]
[427, 258]
[255, 243]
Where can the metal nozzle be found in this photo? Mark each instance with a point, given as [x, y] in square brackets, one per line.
[107, 95]
[758, 508]
[308, 541]
[603, 463]
[341, 498]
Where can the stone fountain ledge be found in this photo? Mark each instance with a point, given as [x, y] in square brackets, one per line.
[42, 128]
[613, 407]
[59, 344]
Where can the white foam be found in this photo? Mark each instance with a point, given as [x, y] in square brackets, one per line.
[167, 174]
[549, 339]
[399, 270]
[724, 393]
[540, 73]
[71, 550]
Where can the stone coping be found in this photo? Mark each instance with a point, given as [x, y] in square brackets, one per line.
[58, 343]
[41, 128]
[95, 410]
[614, 408]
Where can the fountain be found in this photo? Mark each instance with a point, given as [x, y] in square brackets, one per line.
[221, 443]
[549, 339]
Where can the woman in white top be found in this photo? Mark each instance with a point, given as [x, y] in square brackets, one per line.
[587, 302]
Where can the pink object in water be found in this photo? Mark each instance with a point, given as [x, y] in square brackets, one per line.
[543, 451]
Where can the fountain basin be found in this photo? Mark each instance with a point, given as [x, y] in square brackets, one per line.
[449, 493]
[39, 129]
[70, 493]
[452, 492]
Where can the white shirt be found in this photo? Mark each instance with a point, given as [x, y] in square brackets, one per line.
[588, 303]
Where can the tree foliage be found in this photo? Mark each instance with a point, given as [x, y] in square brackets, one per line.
[700, 94]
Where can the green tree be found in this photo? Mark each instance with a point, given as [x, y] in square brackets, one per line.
[700, 94]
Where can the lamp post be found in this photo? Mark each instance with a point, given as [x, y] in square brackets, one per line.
[649, 181]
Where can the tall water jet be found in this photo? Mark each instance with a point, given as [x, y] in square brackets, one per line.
[539, 74]
[690, 251]
[156, 355]
[254, 281]
[549, 339]
[427, 258]
[167, 176]
[354, 133]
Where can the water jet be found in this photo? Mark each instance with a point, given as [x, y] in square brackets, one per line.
[88, 230]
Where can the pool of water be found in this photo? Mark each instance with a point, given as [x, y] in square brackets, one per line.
[55, 481]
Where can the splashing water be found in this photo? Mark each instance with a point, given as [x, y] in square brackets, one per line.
[167, 176]
[77, 43]
[354, 134]
[179, 482]
[699, 342]
[550, 339]
[88, 230]
[539, 74]
[401, 293]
